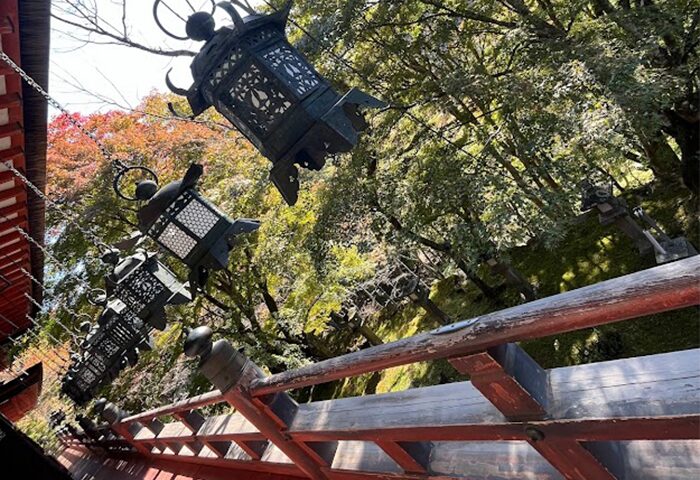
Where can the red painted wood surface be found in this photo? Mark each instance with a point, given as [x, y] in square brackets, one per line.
[84, 464]
[13, 193]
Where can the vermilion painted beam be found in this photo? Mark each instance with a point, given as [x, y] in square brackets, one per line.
[12, 154]
[412, 457]
[572, 460]
[14, 261]
[7, 225]
[510, 379]
[10, 100]
[15, 276]
[11, 240]
[15, 208]
[10, 129]
[18, 191]
[16, 288]
[15, 306]
[193, 403]
[10, 245]
[18, 311]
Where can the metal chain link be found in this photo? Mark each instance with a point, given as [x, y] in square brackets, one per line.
[73, 335]
[116, 163]
[30, 331]
[71, 219]
[50, 256]
[45, 359]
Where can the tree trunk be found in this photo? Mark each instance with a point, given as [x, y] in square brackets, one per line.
[370, 335]
[663, 161]
[685, 129]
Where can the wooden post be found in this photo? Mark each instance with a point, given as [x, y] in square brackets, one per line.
[515, 384]
[422, 297]
[510, 379]
[513, 278]
[113, 416]
[232, 373]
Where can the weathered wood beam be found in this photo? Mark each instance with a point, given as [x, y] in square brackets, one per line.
[412, 457]
[660, 289]
[510, 379]
[641, 398]
[570, 458]
[193, 403]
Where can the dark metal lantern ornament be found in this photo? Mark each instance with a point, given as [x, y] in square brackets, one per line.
[255, 78]
[112, 344]
[141, 286]
[190, 227]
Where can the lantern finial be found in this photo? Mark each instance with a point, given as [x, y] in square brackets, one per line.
[200, 26]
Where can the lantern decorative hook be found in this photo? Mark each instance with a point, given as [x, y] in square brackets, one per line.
[97, 297]
[144, 189]
[156, 17]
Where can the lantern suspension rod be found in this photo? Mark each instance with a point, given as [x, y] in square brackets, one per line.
[381, 91]
[174, 12]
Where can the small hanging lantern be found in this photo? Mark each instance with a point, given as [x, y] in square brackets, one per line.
[141, 286]
[255, 78]
[112, 344]
[191, 228]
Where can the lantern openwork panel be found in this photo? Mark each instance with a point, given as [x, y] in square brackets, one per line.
[190, 227]
[145, 286]
[263, 85]
[108, 348]
[187, 223]
[259, 83]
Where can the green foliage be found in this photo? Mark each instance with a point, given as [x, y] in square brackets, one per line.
[498, 110]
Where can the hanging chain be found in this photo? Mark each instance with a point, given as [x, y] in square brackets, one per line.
[71, 219]
[116, 163]
[50, 256]
[73, 335]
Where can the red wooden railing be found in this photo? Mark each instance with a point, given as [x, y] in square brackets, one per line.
[635, 418]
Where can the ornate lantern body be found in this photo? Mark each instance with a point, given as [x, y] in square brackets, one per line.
[255, 78]
[110, 346]
[141, 286]
[190, 227]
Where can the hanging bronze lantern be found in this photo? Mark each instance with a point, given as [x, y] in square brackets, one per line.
[110, 345]
[255, 78]
[142, 286]
[187, 225]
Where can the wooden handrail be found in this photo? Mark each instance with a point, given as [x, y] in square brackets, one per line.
[660, 289]
[656, 290]
[209, 398]
[509, 397]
